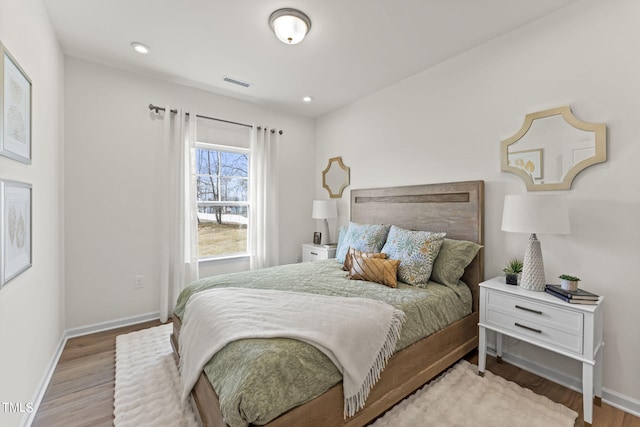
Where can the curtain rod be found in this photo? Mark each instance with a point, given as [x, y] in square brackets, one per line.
[156, 108]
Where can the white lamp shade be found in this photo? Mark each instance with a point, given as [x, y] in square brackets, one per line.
[535, 214]
[323, 209]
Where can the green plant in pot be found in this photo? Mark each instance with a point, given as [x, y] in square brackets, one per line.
[512, 271]
[568, 282]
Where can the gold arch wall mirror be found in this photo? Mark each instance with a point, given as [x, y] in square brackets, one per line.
[335, 177]
[552, 147]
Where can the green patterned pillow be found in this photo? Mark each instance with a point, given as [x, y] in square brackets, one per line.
[416, 250]
[454, 257]
[362, 237]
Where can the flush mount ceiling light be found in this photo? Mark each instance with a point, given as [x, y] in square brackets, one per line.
[307, 98]
[290, 25]
[140, 47]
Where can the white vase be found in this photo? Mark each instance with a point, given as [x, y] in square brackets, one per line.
[533, 269]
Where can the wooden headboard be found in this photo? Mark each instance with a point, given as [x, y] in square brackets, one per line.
[456, 208]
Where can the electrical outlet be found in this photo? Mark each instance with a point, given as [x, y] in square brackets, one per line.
[139, 282]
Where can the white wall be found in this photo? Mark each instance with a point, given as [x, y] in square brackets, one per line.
[31, 305]
[446, 124]
[112, 144]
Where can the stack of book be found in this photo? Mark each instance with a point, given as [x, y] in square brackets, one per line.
[579, 296]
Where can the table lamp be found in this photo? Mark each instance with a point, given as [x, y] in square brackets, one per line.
[535, 214]
[323, 209]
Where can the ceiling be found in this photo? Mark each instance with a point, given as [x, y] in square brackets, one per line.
[354, 48]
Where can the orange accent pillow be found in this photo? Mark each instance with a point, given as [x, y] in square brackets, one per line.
[354, 252]
[379, 270]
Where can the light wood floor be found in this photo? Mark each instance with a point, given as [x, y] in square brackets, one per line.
[81, 390]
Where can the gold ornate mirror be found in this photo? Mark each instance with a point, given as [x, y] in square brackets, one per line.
[552, 147]
[335, 177]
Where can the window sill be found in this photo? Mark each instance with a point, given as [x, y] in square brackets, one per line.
[227, 259]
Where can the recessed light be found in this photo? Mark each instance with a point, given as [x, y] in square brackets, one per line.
[140, 47]
[307, 99]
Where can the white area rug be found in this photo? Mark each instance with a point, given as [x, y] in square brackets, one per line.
[461, 398]
[147, 381]
[147, 393]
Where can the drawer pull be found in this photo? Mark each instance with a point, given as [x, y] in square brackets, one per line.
[528, 328]
[314, 253]
[528, 309]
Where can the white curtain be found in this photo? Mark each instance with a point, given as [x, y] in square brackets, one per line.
[179, 234]
[263, 197]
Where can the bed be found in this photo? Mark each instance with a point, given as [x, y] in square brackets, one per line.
[455, 208]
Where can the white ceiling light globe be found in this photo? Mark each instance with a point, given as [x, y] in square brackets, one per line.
[290, 25]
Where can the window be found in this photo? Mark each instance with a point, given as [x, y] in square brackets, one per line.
[222, 198]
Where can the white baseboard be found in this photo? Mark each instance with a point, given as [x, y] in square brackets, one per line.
[613, 398]
[113, 324]
[27, 419]
[621, 401]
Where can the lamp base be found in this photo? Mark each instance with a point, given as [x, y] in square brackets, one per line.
[325, 239]
[533, 269]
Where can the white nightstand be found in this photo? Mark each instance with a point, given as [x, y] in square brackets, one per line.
[313, 252]
[573, 330]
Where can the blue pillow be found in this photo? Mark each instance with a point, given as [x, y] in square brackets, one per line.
[416, 250]
[362, 237]
[341, 233]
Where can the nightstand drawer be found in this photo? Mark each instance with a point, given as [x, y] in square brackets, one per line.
[537, 312]
[311, 252]
[312, 255]
[547, 333]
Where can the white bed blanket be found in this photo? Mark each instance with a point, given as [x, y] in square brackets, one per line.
[359, 335]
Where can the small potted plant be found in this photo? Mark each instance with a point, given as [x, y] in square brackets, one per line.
[568, 282]
[512, 271]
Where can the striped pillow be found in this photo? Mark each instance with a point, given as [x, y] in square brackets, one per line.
[354, 252]
[379, 270]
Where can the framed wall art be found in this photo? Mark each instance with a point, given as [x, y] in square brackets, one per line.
[15, 109]
[15, 235]
[529, 161]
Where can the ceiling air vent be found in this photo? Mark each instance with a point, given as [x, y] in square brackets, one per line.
[236, 82]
